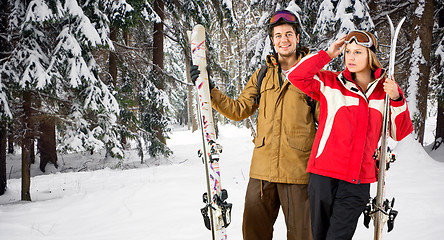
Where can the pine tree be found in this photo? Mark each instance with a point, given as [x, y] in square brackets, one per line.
[337, 18]
[143, 116]
[396, 10]
[419, 64]
[5, 113]
[437, 83]
[54, 76]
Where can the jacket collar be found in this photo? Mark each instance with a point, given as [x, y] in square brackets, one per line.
[379, 73]
[346, 79]
[272, 61]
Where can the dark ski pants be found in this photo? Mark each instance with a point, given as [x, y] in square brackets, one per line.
[262, 202]
[335, 207]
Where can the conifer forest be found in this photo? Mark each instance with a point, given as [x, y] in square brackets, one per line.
[112, 75]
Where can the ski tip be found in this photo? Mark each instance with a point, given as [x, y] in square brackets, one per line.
[199, 27]
[198, 34]
[392, 28]
[402, 21]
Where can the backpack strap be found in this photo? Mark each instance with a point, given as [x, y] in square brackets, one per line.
[312, 103]
[260, 77]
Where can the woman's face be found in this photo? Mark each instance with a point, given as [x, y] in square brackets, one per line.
[356, 58]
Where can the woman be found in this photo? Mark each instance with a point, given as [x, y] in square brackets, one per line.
[341, 164]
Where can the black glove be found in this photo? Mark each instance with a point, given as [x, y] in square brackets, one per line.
[194, 73]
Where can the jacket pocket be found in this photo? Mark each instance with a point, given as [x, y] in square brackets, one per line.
[266, 85]
[259, 142]
[267, 92]
[300, 141]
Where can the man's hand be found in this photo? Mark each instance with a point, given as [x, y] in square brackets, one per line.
[194, 74]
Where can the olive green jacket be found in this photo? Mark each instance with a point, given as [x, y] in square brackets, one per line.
[285, 126]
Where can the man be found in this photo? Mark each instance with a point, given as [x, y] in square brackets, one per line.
[285, 134]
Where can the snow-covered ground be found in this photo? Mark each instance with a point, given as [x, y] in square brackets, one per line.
[161, 199]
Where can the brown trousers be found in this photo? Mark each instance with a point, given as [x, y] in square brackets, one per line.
[262, 202]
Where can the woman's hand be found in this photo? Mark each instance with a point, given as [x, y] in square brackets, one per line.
[391, 88]
[336, 47]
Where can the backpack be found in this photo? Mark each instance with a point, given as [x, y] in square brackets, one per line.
[310, 101]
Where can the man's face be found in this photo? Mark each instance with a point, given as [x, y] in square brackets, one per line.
[285, 40]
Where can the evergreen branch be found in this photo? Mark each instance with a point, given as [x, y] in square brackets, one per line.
[383, 14]
[161, 70]
[128, 47]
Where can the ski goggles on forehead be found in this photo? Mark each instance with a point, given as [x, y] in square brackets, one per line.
[285, 15]
[360, 38]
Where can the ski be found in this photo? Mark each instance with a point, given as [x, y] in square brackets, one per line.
[217, 212]
[379, 208]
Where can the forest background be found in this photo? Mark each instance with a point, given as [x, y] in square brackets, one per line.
[87, 75]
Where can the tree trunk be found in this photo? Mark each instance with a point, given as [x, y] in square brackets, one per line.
[422, 31]
[32, 148]
[4, 48]
[190, 96]
[47, 142]
[26, 146]
[158, 42]
[158, 56]
[439, 138]
[10, 138]
[112, 67]
[3, 180]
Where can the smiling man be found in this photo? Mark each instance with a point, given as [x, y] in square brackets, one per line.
[285, 134]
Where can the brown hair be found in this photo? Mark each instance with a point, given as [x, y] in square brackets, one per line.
[282, 22]
[300, 50]
[373, 60]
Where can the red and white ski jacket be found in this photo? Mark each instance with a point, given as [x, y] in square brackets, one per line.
[350, 121]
